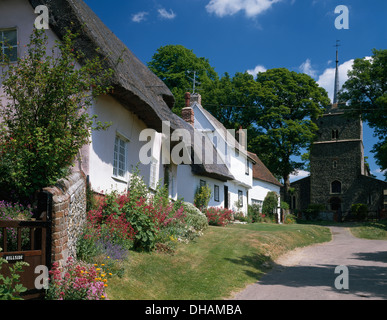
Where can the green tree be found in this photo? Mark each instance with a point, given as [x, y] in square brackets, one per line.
[45, 114]
[174, 65]
[285, 107]
[270, 203]
[229, 97]
[365, 94]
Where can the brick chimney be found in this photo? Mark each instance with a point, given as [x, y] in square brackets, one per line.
[187, 113]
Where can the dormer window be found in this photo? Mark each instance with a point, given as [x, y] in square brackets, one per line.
[8, 44]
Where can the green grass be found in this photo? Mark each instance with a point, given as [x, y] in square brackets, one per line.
[222, 261]
[371, 230]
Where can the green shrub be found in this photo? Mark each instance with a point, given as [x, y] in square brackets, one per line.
[44, 118]
[359, 210]
[190, 208]
[313, 211]
[290, 219]
[10, 288]
[198, 221]
[202, 197]
[270, 203]
[241, 217]
[253, 212]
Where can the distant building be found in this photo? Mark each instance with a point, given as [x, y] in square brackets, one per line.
[339, 176]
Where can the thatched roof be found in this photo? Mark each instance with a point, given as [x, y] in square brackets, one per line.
[135, 86]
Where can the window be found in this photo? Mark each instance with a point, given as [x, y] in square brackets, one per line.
[258, 203]
[335, 134]
[120, 157]
[293, 202]
[247, 167]
[240, 198]
[334, 164]
[153, 173]
[8, 44]
[369, 199]
[336, 187]
[202, 183]
[216, 193]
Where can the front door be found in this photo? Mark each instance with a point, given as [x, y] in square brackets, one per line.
[335, 204]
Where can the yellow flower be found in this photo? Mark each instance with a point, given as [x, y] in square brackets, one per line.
[104, 280]
[110, 274]
[98, 269]
[102, 297]
[105, 285]
[102, 264]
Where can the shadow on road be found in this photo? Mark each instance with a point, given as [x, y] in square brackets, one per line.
[364, 281]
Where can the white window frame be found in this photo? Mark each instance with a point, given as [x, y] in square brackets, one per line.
[247, 167]
[116, 158]
[3, 47]
[216, 193]
[240, 198]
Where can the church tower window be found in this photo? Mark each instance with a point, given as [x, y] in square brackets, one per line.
[336, 187]
[335, 134]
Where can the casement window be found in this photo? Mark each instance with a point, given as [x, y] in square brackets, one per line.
[120, 157]
[202, 183]
[247, 167]
[8, 44]
[216, 193]
[240, 198]
[153, 173]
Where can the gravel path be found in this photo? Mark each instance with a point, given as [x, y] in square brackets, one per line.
[309, 273]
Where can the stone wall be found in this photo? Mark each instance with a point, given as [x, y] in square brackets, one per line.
[68, 215]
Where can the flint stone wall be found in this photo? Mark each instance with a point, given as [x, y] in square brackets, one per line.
[68, 215]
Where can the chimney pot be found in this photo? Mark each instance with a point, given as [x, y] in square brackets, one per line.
[196, 97]
[187, 97]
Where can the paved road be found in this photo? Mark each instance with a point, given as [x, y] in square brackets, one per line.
[309, 273]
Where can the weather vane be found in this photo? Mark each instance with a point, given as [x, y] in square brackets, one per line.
[195, 82]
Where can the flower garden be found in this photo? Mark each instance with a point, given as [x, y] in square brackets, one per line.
[116, 225]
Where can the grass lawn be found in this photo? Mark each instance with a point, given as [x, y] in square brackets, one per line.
[371, 230]
[221, 262]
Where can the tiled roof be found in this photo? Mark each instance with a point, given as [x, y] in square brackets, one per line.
[261, 172]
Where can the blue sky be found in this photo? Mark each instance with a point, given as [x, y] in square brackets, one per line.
[248, 35]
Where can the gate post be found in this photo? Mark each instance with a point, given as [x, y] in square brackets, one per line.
[44, 212]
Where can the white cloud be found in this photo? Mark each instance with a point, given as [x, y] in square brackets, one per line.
[327, 78]
[252, 8]
[299, 174]
[307, 68]
[165, 14]
[256, 70]
[138, 17]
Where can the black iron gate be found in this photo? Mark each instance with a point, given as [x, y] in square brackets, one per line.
[32, 244]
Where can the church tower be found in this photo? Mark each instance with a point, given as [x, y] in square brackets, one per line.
[336, 157]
